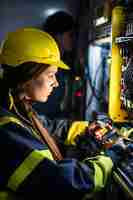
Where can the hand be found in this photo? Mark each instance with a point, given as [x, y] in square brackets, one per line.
[88, 145]
[130, 148]
[95, 138]
[84, 147]
[117, 152]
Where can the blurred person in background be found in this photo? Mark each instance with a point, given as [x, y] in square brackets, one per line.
[62, 27]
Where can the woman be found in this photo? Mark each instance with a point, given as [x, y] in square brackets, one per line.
[31, 163]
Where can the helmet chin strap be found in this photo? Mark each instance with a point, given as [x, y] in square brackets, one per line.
[11, 100]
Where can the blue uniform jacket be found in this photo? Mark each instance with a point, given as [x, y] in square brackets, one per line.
[28, 170]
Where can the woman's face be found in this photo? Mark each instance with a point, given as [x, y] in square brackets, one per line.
[39, 88]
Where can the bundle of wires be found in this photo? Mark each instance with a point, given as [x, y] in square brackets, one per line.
[128, 86]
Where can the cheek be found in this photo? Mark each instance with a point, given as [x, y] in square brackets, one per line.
[40, 95]
[38, 92]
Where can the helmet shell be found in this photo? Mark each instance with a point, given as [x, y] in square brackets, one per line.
[30, 45]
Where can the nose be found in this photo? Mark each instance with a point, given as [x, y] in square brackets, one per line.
[55, 83]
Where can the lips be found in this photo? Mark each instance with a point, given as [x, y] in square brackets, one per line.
[50, 92]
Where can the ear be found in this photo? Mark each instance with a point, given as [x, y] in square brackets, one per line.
[24, 96]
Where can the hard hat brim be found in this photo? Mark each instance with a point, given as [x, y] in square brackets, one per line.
[62, 65]
[15, 62]
[59, 64]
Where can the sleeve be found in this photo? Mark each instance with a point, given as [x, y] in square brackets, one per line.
[58, 129]
[27, 170]
[66, 178]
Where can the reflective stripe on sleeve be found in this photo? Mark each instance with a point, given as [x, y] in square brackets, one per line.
[7, 119]
[28, 165]
[103, 167]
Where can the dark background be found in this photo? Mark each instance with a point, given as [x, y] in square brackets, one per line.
[18, 13]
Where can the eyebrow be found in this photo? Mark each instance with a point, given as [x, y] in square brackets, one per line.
[52, 71]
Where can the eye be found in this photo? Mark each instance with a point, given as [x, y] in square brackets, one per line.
[51, 76]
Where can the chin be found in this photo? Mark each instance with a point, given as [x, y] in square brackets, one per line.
[42, 100]
[45, 99]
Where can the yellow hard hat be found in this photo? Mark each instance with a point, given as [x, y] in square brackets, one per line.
[30, 45]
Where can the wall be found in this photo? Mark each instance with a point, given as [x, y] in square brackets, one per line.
[19, 13]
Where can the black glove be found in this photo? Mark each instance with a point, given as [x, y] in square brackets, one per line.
[88, 145]
[85, 147]
[98, 136]
[117, 152]
[130, 148]
[92, 141]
